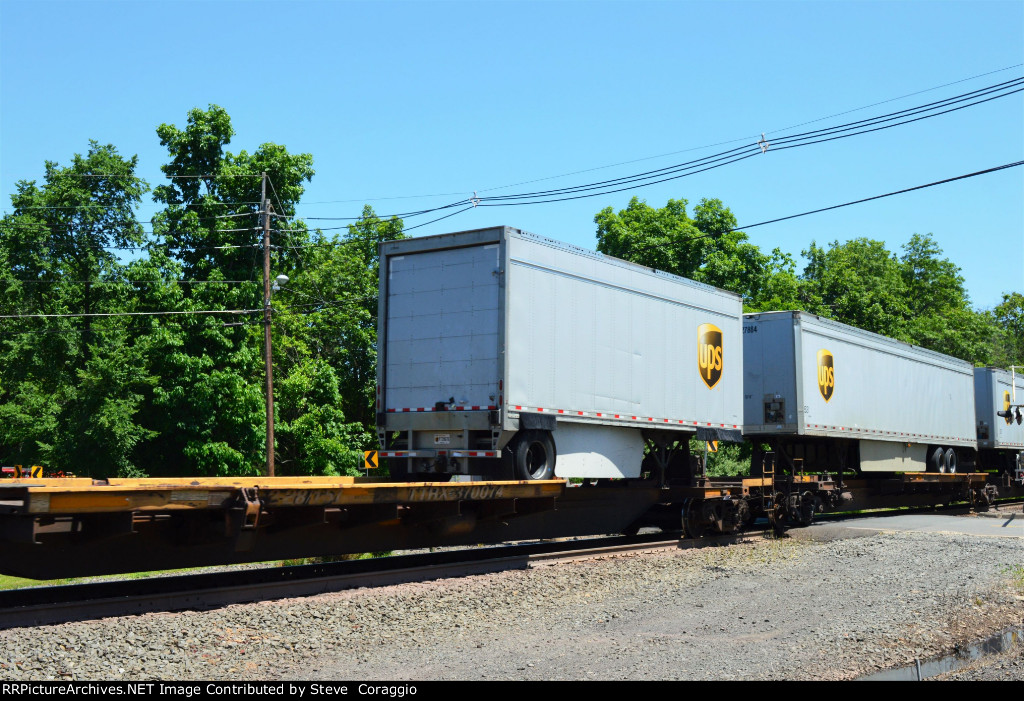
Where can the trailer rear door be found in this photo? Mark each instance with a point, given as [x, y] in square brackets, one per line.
[443, 322]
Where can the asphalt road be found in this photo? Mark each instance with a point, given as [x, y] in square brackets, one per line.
[994, 524]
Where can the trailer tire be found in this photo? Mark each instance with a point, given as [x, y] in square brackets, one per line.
[949, 461]
[936, 461]
[533, 456]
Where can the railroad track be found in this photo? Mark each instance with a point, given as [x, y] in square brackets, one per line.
[78, 602]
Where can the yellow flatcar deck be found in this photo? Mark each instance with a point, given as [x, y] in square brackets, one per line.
[84, 496]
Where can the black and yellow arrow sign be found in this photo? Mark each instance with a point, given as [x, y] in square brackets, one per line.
[35, 472]
[712, 446]
[370, 459]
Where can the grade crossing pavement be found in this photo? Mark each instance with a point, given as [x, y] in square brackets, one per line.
[990, 524]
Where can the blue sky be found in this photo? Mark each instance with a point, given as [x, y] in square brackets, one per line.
[408, 99]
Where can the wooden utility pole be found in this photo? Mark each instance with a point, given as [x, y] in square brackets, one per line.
[267, 355]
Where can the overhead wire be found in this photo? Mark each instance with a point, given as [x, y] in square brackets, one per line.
[77, 315]
[878, 197]
[668, 173]
[677, 171]
[715, 234]
[322, 302]
[126, 282]
[673, 153]
[732, 155]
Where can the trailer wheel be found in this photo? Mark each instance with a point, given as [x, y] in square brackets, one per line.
[534, 456]
[949, 461]
[936, 461]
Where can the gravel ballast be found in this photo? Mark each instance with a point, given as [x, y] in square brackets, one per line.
[793, 608]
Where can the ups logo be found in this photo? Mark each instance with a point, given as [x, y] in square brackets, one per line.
[709, 354]
[826, 374]
[1006, 406]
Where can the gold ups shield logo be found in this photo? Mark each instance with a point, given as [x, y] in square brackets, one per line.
[826, 374]
[709, 354]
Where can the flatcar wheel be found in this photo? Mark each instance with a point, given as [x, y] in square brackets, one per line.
[693, 526]
[777, 516]
[806, 512]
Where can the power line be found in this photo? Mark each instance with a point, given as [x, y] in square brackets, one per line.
[733, 155]
[112, 314]
[165, 324]
[151, 221]
[918, 110]
[128, 282]
[876, 197]
[208, 176]
[716, 234]
[901, 97]
[182, 248]
[466, 209]
[107, 206]
[660, 175]
[630, 186]
[652, 177]
[673, 153]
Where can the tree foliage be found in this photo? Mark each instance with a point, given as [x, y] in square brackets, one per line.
[183, 394]
[669, 239]
[917, 297]
[1008, 316]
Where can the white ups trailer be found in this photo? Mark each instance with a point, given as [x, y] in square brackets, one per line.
[998, 396]
[826, 395]
[508, 355]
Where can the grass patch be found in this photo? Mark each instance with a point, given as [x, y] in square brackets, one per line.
[332, 558]
[1016, 574]
[8, 582]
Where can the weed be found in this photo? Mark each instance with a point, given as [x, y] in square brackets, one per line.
[1016, 575]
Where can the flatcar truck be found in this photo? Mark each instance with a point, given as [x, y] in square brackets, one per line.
[507, 355]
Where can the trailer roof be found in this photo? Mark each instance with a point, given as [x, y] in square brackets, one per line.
[437, 242]
[855, 331]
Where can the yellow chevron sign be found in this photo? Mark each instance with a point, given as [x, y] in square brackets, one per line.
[370, 459]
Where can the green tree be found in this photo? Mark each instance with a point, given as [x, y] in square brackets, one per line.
[858, 283]
[328, 328]
[701, 248]
[71, 387]
[918, 297]
[941, 317]
[210, 406]
[1008, 317]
